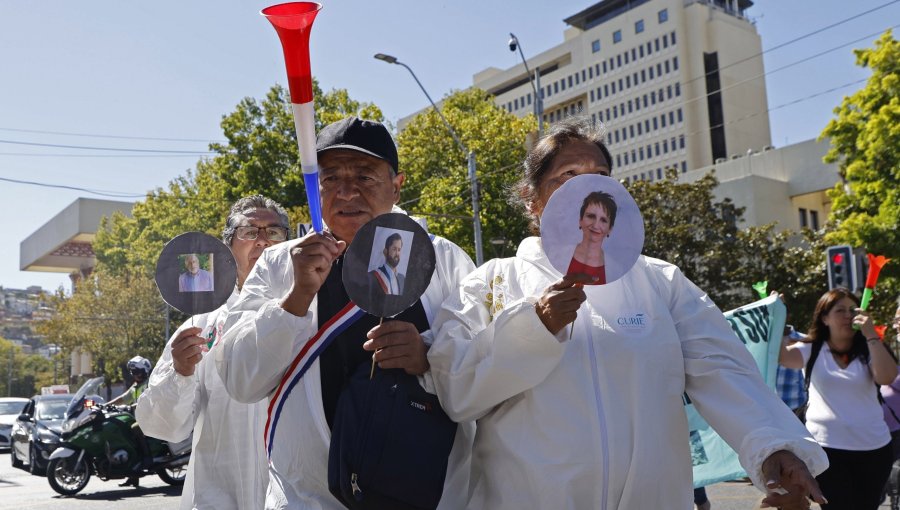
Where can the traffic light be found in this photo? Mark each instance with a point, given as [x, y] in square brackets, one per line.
[840, 261]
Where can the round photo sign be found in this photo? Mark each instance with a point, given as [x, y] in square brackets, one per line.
[592, 225]
[388, 265]
[196, 273]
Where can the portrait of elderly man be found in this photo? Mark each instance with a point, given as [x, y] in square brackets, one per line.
[194, 279]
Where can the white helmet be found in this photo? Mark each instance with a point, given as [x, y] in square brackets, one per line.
[140, 364]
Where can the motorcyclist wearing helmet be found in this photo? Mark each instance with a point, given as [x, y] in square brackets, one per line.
[139, 367]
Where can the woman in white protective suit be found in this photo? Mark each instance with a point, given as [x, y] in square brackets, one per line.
[595, 419]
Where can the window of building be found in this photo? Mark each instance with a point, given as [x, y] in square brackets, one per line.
[627, 81]
[626, 159]
[673, 37]
[641, 153]
[613, 85]
[647, 125]
[516, 103]
[671, 118]
[562, 84]
[570, 81]
[680, 117]
[621, 88]
[641, 50]
[617, 136]
[681, 142]
[652, 97]
[619, 60]
[684, 167]
[633, 54]
[643, 75]
[597, 70]
[666, 66]
[616, 112]
[637, 104]
[649, 48]
[618, 160]
[631, 130]
[814, 219]
[630, 107]
[626, 57]
[607, 114]
[659, 69]
[595, 46]
[577, 79]
[677, 89]
[674, 61]
[591, 72]
[640, 131]
[665, 39]
[617, 36]
[662, 120]
[656, 44]
[556, 87]
[655, 123]
[803, 221]
[604, 66]
[663, 15]
[638, 26]
[634, 155]
[669, 92]
[665, 147]
[592, 95]
[645, 100]
[605, 89]
[651, 72]
[583, 75]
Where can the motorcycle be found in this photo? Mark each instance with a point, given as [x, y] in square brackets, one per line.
[98, 439]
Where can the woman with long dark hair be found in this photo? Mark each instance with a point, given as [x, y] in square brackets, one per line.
[843, 366]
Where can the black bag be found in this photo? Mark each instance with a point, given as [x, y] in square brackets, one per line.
[390, 443]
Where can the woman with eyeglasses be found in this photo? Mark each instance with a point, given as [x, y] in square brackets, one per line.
[844, 361]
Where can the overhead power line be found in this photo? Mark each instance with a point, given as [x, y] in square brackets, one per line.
[796, 39]
[105, 193]
[118, 149]
[118, 137]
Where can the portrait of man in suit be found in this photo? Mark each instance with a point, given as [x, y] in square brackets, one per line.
[387, 276]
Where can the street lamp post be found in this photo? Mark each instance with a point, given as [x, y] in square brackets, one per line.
[470, 157]
[535, 83]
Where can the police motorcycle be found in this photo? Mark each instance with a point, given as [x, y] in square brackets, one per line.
[98, 439]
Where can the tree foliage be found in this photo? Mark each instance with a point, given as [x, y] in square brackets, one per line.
[685, 225]
[437, 183]
[114, 317]
[23, 375]
[865, 142]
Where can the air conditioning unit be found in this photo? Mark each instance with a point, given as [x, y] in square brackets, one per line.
[735, 156]
[721, 160]
[767, 148]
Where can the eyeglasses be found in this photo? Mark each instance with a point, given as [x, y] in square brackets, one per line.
[250, 233]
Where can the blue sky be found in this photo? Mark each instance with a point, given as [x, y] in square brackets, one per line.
[170, 70]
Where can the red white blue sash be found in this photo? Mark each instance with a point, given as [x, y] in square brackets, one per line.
[305, 358]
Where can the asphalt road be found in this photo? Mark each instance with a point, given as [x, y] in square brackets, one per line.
[20, 490]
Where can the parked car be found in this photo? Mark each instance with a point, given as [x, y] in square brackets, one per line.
[10, 409]
[35, 433]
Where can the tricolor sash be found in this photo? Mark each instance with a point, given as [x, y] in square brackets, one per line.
[304, 359]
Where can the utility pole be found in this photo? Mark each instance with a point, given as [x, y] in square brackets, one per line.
[9, 371]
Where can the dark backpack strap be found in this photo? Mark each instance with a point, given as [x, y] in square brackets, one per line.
[816, 348]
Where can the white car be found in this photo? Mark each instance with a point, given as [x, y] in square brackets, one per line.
[10, 409]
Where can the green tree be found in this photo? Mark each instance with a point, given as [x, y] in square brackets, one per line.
[436, 169]
[260, 156]
[22, 375]
[685, 225]
[114, 317]
[865, 142]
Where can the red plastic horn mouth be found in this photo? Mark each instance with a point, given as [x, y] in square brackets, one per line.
[293, 22]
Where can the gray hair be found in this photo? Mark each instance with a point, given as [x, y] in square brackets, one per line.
[248, 204]
[541, 155]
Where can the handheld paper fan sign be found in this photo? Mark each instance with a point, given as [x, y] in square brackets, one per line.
[388, 265]
[293, 22]
[195, 273]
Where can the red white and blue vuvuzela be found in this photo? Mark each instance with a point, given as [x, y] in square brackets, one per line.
[293, 22]
[305, 358]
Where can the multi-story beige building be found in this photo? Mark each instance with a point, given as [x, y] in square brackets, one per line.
[678, 83]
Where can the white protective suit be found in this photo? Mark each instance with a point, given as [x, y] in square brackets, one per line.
[228, 464]
[261, 340]
[597, 420]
